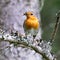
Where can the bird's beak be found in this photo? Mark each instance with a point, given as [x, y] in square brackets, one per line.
[24, 13]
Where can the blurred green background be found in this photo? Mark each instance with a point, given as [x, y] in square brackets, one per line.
[48, 19]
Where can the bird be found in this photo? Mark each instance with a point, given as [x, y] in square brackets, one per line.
[31, 24]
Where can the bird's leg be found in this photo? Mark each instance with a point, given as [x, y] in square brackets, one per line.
[34, 36]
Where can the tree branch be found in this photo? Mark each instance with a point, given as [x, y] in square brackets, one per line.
[56, 27]
[27, 45]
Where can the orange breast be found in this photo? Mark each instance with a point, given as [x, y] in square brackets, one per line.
[31, 24]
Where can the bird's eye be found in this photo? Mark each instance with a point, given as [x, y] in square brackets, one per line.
[31, 14]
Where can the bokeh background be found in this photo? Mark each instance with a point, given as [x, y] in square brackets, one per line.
[11, 18]
[48, 18]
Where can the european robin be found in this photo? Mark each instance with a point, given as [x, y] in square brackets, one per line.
[31, 23]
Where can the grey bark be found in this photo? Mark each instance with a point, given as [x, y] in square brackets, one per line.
[11, 18]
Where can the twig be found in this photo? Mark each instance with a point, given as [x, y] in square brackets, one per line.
[55, 28]
[28, 46]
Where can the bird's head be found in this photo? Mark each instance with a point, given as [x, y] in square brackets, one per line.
[28, 14]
